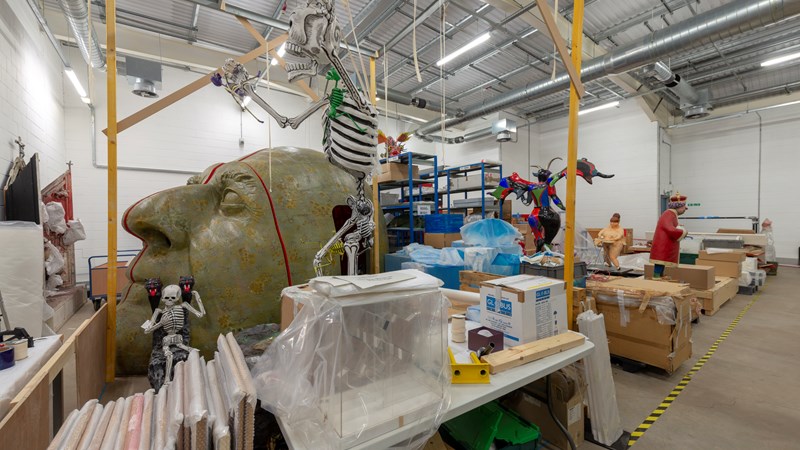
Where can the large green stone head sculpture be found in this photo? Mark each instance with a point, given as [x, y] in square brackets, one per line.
[242, 243]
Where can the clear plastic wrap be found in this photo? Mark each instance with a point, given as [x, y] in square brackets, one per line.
[635, 261]
[663, 306]
[490, 233]
[351, 368]
[766, 228]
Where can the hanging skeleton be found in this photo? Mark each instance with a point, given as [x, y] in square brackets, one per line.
[172, 318]
[350, 135]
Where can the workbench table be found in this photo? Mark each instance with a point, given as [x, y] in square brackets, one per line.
[465, 397]
[13, 379]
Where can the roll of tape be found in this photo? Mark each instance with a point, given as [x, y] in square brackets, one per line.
[20, 348]
[6, 357]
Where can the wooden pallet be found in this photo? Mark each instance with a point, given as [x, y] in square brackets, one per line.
[471, 280]
[713, 299]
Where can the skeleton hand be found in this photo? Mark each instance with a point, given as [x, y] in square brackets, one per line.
[188, 307]
[151, 325]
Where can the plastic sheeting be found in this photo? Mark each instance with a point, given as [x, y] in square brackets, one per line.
[22, 283]
[490, 233]
[663, 306]
[55, 217]
[350, 368]
[769, 250]
[603, 408]
[74, 233]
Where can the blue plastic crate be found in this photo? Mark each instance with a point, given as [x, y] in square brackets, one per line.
[443, 223]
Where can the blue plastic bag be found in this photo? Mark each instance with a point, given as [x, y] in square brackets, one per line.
[490, 233]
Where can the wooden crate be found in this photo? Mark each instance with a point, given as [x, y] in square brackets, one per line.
[471, 280]
[713, 299]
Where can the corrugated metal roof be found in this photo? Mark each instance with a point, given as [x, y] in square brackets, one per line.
[611, 22]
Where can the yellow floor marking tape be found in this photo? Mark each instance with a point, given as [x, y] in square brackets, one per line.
[662, 407]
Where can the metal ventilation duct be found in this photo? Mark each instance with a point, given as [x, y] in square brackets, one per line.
[694, 103]
[720, 23]
[77, 15]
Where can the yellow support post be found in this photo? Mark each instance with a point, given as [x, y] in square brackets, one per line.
[111, 90]
[572, 156]
[376, 254]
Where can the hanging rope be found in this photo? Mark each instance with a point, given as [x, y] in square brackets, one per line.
[441, 75]
[414, 45]
[269, 137]
[355, 38]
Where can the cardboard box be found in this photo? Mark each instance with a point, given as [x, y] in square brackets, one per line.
[725, 255]
[530, 402]
[722, 268]
[697, 276]
[473, 180]
[289, 308]
[640, 335]
[527, 234]
[441, 240]
[734, 231]
[524, 307]
[396, 172]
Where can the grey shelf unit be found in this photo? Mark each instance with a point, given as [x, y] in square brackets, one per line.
[463, 171]
[407, 235]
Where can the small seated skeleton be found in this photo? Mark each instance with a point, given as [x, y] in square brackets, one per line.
[172, 319]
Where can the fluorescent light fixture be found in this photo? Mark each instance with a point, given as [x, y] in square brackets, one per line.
[598, 108]
[246, 101]
[281, 52]
[476, 42]
[74, 79]
[86, 100]
[780, 59]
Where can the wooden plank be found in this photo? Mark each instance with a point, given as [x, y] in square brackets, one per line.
[523, 354]
[572, 65]
[90, 345]
[253, 32]
[471, 280]
[190, 88]
[27, 425]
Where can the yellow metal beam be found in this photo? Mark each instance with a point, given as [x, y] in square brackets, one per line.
[111, 91]
[572, 157]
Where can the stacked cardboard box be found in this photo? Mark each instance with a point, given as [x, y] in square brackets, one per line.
[441, 240]
[396, 172]
[727, 262]
[697, 276]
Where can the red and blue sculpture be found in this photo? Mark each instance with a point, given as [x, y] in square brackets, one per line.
[543, 219]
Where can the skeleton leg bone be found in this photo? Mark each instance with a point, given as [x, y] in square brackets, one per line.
[168, 368]
[327, 247]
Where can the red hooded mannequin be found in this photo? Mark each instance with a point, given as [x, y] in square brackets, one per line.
[666, 240]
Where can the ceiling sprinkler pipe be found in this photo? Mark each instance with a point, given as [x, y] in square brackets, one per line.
[77, 14]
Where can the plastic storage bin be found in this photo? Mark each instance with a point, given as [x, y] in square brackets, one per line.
[481, 427]
[556, 272]
[444, 223]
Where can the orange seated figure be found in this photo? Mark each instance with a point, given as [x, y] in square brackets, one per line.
[612, 239]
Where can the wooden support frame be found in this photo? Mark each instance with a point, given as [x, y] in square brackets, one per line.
[573, 69]
[572, 157]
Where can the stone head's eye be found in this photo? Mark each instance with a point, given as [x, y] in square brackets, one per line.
[231, 197]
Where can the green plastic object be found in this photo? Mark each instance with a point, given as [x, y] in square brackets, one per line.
[688, 258]
[492, 424]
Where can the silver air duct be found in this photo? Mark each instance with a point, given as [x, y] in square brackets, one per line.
[77, 15]
[694, 103]
[144, 75]
[720, 23]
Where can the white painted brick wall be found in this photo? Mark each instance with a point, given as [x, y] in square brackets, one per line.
[716, 164]
[31, 94]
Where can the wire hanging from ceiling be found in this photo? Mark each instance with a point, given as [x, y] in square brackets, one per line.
[442, 23]
[414, 45]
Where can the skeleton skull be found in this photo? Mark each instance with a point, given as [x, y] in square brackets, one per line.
[171, 294]
[313, 34]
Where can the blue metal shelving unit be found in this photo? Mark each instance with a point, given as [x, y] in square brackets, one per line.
[462, 172]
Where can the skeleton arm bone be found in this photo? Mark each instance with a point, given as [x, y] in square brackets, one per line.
[154, 325]
[282, 120]
[188, 307]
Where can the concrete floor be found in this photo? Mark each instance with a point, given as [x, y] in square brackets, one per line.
[747, 396]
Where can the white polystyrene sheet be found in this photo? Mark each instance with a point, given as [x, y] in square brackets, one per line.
[13, 379]
[91, 427]
[110, 437]
[175, 405]
[219, 414]
[603, 409]
[102, 426]
[22, 282]
[160, 417]
[122, 432]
